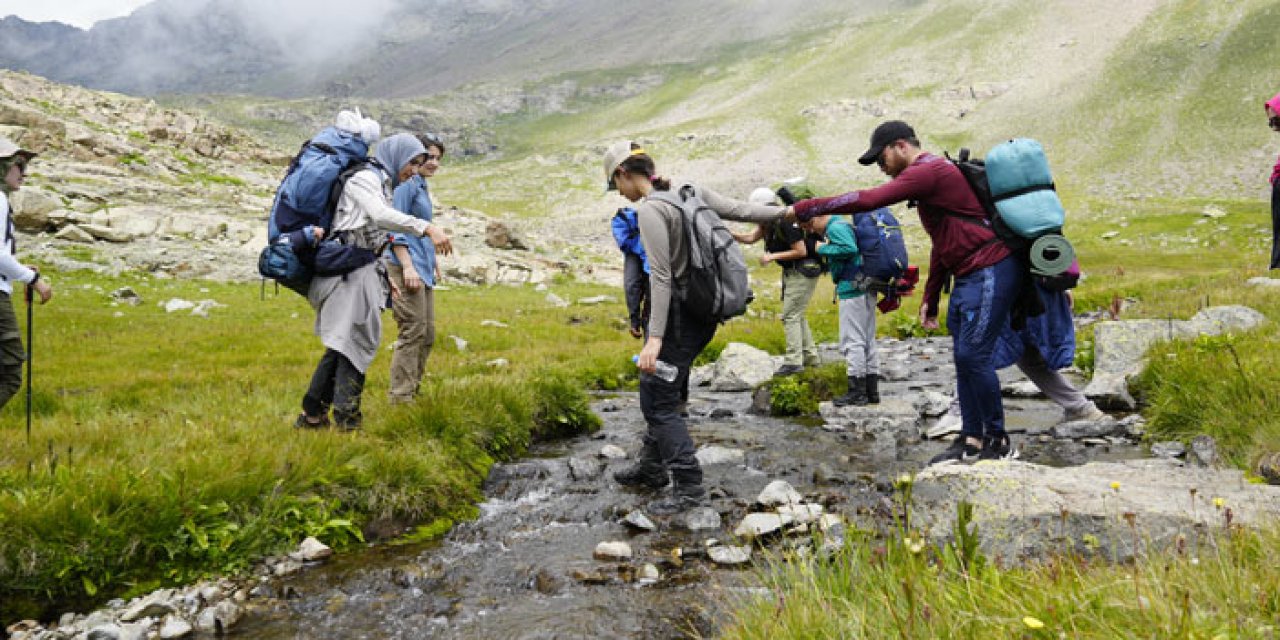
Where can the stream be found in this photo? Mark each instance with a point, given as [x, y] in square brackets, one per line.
[525, 569]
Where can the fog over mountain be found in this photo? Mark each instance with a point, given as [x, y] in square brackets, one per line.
[391, 48]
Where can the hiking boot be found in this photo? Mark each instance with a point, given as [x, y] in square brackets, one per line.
[643, 475]
[1089, 412]
[682, 498]
[789, 370]
[303, 423]
[873, 388]
[998, 447]
[959, 451]
[857, 394]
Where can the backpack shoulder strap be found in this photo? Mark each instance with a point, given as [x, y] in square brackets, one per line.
[335, 192]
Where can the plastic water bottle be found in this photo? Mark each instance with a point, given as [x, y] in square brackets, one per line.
[664, 371]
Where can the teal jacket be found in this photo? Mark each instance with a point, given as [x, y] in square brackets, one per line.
[840, 250]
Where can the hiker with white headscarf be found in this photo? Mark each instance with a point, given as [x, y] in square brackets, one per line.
[349, 307]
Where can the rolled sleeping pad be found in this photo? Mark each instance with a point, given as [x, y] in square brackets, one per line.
[1051, 255]
[1022, 188]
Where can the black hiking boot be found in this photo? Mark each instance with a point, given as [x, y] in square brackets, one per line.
[857, 394]
[788, 370]
[998, 447]
[873, 388]
[683, 497]
[303, 423]
[959, 451]
[643, 475]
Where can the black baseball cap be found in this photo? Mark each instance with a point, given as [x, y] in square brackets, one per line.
[884, 135]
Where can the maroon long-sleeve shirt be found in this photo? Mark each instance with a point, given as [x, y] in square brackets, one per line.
[963, 241]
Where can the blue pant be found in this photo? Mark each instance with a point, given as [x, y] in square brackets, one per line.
[981, 302]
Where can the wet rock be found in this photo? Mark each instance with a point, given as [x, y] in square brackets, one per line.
[1135, 426]
[613, 452]
[741, 367]
[892, 423]
[219, 618]
[648, 574]
[546, 583]
[932, 404]
[761, 401]
[779, 492]
[729, 555]
[1170, 449]
[612, 551]
[1025, 510]
[147, 608]
[639, 521]
[948, 424]
[759, 525]
[802, 513]
[1204, 450]
[585, 469]
[105, 632]
[1086, 429]
[590, 577]
[175, 627]
[699, 519]
[715, 454]
[287, 567]
[720, 413]
[1021, 389]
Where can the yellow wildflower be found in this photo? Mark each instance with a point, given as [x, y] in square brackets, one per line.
[1115, 486]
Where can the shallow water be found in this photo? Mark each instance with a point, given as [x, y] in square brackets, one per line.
[524, 568]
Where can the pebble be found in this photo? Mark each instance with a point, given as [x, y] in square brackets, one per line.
[611, 551]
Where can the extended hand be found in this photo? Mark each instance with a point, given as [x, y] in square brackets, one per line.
[438, 237]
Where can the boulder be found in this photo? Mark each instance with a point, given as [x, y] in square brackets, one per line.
[31, 208]
[741, 367]
[585, 469]
[1118, 509]
[175, 627]
[932, 404]
[1204, 450]
[219, 619]
[1268, 467]
[1120, 347]
[802, 513]
[892, 423]
[1171, 449]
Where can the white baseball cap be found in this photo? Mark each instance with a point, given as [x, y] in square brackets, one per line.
[763, 195]
[8, 150]
[614, 156]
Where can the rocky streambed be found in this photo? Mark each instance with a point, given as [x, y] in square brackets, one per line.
[560, 550]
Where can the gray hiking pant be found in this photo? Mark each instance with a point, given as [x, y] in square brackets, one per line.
[1051, 381]
[858, 336]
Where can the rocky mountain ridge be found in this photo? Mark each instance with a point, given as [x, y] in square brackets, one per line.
[125, 184]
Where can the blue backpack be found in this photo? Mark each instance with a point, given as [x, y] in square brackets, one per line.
[308, 196]
[882, 247]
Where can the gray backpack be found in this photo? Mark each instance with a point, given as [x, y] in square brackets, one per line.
[715, 287]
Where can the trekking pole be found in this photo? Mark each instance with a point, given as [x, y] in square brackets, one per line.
[30, 350]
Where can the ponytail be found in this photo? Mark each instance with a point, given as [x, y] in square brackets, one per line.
[641, 164]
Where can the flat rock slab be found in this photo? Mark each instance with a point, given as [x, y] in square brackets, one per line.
[1113, 508]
